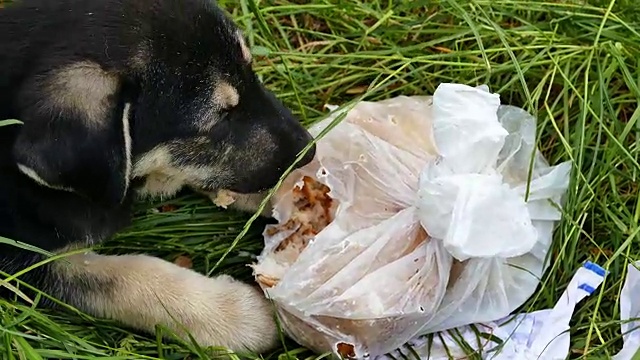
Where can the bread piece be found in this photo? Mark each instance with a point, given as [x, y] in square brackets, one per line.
[311, 214]
[224, 198]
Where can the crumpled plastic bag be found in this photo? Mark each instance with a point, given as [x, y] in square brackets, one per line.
[410, 220]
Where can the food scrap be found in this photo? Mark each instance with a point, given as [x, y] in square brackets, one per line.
[168, 208]
[311, 214]
[224, 198]
[184, 262]
[347, 351]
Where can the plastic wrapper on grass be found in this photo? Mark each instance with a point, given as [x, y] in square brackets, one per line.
[411, 219]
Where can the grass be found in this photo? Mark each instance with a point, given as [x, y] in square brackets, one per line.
[574, 64]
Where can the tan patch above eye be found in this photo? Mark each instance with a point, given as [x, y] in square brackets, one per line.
[225, 96]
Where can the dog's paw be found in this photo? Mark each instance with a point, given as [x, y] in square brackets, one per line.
[145, 292]
[240, 318]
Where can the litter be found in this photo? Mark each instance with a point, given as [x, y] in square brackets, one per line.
[630, 309]
[411, 220]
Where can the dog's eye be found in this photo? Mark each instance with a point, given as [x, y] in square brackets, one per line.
[223, 115]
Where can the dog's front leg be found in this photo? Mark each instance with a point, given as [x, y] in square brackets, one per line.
[142, 291]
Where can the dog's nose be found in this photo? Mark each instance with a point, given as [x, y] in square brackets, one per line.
[308, 156]
[311, 153]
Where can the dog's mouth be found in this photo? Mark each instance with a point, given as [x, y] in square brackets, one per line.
[248, 190]
[251, 184]
[235, 191]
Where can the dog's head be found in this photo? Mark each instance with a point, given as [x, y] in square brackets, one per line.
[184, 109]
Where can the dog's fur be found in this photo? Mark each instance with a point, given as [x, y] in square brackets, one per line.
[121, 98]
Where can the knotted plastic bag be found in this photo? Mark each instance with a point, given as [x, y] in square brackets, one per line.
[415, 216]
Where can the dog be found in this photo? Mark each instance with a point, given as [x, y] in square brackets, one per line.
[120, 99]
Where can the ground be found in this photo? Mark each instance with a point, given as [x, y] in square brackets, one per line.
[573, 64]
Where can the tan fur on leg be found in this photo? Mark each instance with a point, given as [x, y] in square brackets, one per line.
[142, 291]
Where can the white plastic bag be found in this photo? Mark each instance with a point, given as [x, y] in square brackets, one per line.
[424, 226]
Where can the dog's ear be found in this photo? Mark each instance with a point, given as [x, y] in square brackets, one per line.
[76, 134]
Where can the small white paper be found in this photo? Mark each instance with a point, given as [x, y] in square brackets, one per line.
[630, 309]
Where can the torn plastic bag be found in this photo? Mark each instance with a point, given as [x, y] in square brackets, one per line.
[411, 219]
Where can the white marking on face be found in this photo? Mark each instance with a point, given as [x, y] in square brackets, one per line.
[33, 175]
[127, 146]
[246, 53]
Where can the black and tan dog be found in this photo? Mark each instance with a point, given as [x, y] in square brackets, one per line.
[121, 98]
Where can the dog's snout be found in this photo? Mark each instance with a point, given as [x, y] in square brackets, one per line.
[275, 140]
[304, 140]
